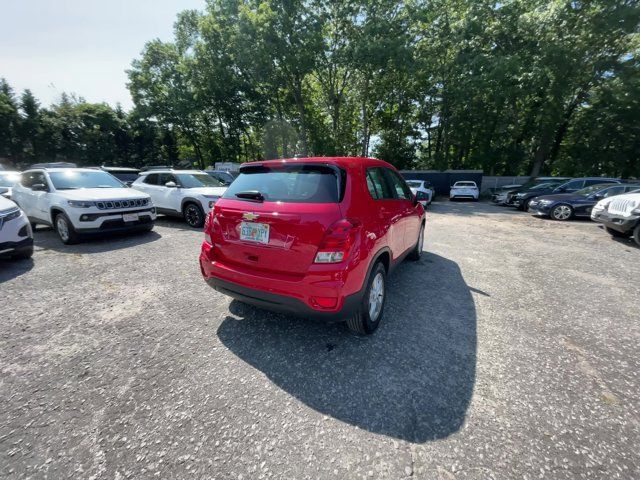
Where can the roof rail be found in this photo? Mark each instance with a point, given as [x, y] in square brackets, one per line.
[156, 167]
[54, 165]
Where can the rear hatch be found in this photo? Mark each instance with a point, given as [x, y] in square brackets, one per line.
[273, 217]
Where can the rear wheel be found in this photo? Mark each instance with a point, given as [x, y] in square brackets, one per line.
[617, 234]
[416, 253]
[562, 212]
[65, 229]
[193, 215]
[369, 315]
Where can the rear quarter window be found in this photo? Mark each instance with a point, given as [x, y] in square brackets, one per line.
[291, 183]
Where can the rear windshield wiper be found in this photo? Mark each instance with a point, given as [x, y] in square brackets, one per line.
[251, 195]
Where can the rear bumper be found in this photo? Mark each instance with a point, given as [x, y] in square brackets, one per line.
[283, 303]
[293, 295]
[615, 222]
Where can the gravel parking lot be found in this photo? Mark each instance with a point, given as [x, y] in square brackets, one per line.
[509, 351]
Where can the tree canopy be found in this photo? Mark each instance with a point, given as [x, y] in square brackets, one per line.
[510, 87]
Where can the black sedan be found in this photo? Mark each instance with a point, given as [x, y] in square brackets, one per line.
[565, 206]
[522, 199]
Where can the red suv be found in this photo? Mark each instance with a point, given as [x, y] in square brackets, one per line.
[313, 236]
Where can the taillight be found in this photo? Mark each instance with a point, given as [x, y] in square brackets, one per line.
[337, 241]
[207, 228]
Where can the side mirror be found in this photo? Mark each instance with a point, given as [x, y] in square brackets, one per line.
[39, 187]
[414, 199]
[170, 184]
[598, 196]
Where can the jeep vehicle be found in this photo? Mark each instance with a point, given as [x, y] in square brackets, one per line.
[313, 236]
[82, 201]
[189, 194]
[620, 215]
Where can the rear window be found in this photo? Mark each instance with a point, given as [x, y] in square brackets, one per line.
[290, 183]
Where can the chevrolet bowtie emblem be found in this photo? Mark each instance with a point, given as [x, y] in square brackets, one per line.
[249, 216]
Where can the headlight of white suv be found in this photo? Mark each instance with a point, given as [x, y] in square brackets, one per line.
[80, 203]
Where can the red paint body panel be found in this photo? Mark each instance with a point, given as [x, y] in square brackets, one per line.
[285, 266]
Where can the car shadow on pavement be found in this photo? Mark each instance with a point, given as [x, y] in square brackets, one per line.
[412, 380]
[175, 223]
[12, 268]
[46, 238]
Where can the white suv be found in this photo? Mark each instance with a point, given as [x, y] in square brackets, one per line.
[16, 239]
[78, 201]
[189, 194]
[620, 215]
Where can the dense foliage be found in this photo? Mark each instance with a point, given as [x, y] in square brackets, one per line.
[510, 87]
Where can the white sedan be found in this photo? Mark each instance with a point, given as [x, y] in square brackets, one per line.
[423, 190]
[465, 189]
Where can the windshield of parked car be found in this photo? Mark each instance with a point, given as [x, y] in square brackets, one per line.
[414, 183]
[9, 179]
[74, 179]
[464, 184]
[224, 176]
[197, 180]
[585, 192]
[291, 184]
[543, 186]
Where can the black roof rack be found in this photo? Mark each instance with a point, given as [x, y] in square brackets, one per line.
[54, 165]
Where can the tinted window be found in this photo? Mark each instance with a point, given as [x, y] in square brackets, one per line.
[196, 180]
[631, 188]
[164, 178]
[29, 179]
[400, 188]
[378, 184]
[595, 181]
[573, 185]
[73, 179]
[125, 176]
[151, 179]
[289, 183]
[609, 192]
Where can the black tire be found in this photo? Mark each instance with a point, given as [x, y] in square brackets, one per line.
[71, 236]
[416, 253]
[561, 212]
[33, 226]
[24, 254]
[636, 234]
[525, 205]
[617, 234]
[193, 215]
[148, 228]
[361, 322]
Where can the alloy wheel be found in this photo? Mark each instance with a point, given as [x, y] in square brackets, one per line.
[562, 212]
[192, 215]
[63, 228]
[376, 297]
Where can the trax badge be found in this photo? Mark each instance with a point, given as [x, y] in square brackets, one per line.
[249, 216]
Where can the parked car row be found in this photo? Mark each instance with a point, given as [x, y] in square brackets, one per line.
[606, 200]
[315, 236]
[78, 202]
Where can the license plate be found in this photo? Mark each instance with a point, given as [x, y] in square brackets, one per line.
[254, 232]
[130, 217]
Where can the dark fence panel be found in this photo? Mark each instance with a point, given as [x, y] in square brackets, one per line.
[442, 181]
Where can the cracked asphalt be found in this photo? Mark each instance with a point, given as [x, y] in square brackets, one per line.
[509, 351]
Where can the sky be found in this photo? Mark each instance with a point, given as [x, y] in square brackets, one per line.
[80, 46]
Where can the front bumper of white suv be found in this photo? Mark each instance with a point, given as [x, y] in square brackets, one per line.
[111, 215]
